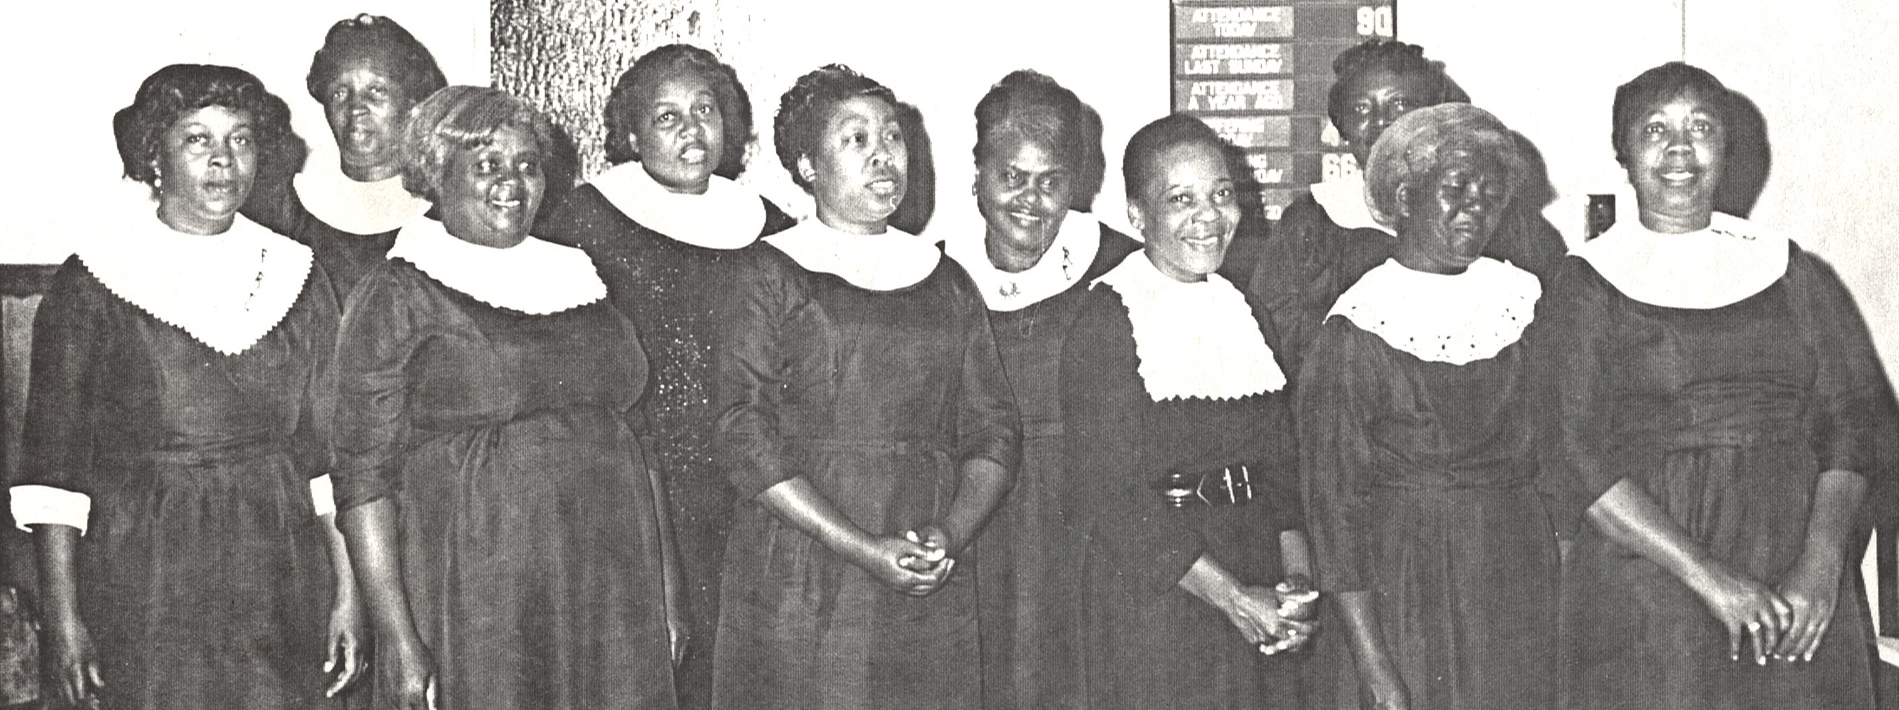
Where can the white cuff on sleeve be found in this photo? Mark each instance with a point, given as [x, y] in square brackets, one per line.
[38, 505]
[322, 496]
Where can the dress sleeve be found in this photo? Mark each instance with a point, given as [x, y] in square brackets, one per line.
[312, 440]
[379, 336]
[1855, 426]
[1103, 405]
[1335, 402]
[988, 426]
[1279, 280]
[70, 330]
[749, 374]
[1574, 465]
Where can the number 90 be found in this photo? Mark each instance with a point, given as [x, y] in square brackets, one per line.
[1374, 21]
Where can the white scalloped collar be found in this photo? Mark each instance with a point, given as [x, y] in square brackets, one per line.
[879, 262]
[534, 277]
[1065, 262]
[225, 290]
[1193, 339]
[1344, 201]
[361, 208]
[727, 216]
[1723, 264]
[1453, 318]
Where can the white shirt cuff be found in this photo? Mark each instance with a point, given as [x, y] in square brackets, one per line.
[322, 495]
[40, 505]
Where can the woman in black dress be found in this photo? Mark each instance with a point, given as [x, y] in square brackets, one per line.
[661, 226]
[1719, 411]
[368, 74]
[508, 532]
[1038, 167]
[1416, 425]
[1181, 463]
[1326, 239]
[868, 427]
[178, 417]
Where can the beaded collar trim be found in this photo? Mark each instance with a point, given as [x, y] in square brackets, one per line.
[1454, 318]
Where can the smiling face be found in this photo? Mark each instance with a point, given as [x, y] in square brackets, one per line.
[1023, 192]
[1674, 152]
[366, 111]
[489, 193]
[1373, 101]
[206, 163]
[1447, 218]
[679, 132]
[1187, 212]
[858, 171]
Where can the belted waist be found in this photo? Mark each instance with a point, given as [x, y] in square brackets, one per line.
[867, 446]
[1446, 483]
[1731, 432]
[1227, 485]
[203, 455]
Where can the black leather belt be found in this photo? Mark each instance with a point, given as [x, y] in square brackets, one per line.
[1232, 485]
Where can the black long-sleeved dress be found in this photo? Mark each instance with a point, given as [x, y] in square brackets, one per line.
[876, 397]
[1725, 417]
[529, 532]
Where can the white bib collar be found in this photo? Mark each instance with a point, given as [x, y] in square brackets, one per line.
[1193, 339]
[727, 216]
[1344, 201]
[1723, 264]
[225, 290]
[361, 208]
[879, 262]
[534, 277]
[1455, 318]
[1066, 260]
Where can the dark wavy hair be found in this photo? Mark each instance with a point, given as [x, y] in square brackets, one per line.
[390, 47]
[1144, 149]
[636, 86]
[170, 93]
[805, 106]
[458, 118]
[1661, 84]
[1399, 58]
[1032, 105]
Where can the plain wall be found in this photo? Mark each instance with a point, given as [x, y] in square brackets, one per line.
[71, 65]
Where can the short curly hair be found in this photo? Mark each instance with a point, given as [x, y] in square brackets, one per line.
[170, 93]
[458, 118]
[1399, 58]
[1661, 84]
[1163, 134]
[1409, 152]
[383, 42]
[1032, 105]
[638, 82]
[804, 108]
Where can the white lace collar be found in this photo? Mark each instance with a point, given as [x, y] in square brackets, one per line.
[534, 277]
[361, 208]
[1454, 318]
[879, 262]
[1065, 262]
[1723, 264]
[225, 290]
[1193, 339]
[727, 216]
[1344, 201]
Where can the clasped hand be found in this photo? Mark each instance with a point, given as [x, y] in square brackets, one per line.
[916, 563]
[1787, 622]
[1255, 611]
